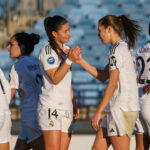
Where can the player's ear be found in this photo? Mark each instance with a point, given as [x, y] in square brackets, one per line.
[109, 28]
[22, 49]
[54, 34]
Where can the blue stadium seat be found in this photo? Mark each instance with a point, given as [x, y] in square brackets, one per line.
[2, 12]
[89, 2]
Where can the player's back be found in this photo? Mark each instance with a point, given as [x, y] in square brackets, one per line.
[29, 78]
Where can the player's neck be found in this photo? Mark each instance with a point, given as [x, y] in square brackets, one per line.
[115, 40]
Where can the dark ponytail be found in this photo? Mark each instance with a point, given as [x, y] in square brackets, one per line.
[122, 25]
[54, 24]
[28, 41]
[131, 29]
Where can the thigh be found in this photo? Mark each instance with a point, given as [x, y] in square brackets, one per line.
[142, 142]
[4, 146]
[52, 139]
[65, 140]
[120, 142]
[102, 141]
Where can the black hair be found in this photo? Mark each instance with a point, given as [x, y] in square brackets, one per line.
[28, 41]
[54, 24]
[122, 24]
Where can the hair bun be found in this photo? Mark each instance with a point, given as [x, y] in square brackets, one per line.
[35, 38]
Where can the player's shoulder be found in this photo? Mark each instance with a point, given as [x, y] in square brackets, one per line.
[143, 49]
[119, 47]
[47, 49]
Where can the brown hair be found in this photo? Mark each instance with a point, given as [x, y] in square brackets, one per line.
[122, 23]
[54, 24]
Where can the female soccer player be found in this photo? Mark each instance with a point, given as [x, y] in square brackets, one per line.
[121, 93]
[57, 100]
[143, 122]
[25, 76]
[5, 119]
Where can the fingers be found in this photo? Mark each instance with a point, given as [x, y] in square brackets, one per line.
[74, 54]
[146, 89]
[76, 114]
[95, 125]
[70, 51]
[67, 51]
[77, 50]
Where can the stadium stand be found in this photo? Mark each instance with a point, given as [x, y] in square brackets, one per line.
[83, 16]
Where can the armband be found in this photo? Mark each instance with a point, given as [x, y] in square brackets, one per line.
[68, 61]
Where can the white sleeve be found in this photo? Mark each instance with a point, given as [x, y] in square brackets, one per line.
[115, 59]
[48, 58]
[14, 80]
[6, 86]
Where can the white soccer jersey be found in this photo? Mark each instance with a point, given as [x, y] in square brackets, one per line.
[54, 96]
[126, 93]
[25, 76]
[4, 94]
[143, 68]
[143, 62]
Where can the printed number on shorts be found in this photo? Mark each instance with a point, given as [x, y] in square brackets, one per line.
[2, 87]
[142, 66]
[54, 113]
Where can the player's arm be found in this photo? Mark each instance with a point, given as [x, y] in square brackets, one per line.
[13, 91]
[14, 81]
[110, 89]
[58, 73]
[101, 75]
[76, 111]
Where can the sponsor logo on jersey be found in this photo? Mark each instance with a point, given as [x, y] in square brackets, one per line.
[51, 60]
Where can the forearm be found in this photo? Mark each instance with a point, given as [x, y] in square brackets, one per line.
[95, 72]
[110, 89]
[59, 74]
[107, 97]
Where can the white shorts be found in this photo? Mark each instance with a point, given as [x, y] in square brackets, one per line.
[55, 119]
[128, 121]
[5, 128]
[140, 126]
[143, 122]
[28, 133]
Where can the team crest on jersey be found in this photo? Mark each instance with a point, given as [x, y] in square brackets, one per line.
[51, 60]
[51, 123]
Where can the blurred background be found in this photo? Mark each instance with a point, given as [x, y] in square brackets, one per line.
[83, 15]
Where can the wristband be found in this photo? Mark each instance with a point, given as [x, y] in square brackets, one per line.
[68, 61]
